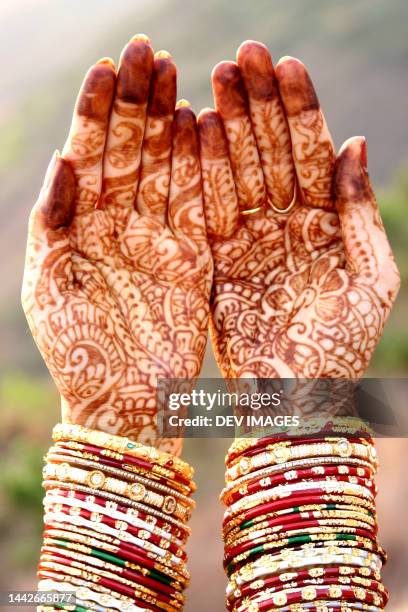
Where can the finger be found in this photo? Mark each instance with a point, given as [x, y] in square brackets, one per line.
[231, 103]
[185, 213]
[312, 145]
[268, 122]
[366, 246]
[220, 199]
[86, 139]
[155, 171]
[126, 127]
[48, 268]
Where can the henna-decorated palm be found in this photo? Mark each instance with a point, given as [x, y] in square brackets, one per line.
[303, 293]
[118, 271]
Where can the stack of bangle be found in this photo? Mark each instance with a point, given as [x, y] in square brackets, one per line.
[300, 528]
[116, 516]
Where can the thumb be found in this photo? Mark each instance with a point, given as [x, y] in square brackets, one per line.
[54, 208]
[48, 266]
[366, 246]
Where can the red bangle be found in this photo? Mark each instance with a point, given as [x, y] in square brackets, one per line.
[312, 593]
[106, 504]
[296, 475]
[106, 454]
[154, 539]
[127, 573]
[326, 500]
[145, 467]
[132, 553]
[298, 525]
[288, 518]
[238, 601]
[262, 443]
[330, 575]
[239, 549]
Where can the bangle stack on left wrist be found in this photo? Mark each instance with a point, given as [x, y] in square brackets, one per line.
[300, 526]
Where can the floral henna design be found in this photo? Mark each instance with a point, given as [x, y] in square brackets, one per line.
[115, 298]
[302, 294]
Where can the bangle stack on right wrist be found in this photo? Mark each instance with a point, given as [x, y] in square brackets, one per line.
[116, 517]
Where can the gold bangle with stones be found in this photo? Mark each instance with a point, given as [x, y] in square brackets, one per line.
[309, 427]
[97, 480]
[122, 474]
[122, 445]
[57, 484]
[131, 509]
[159, 473]
[282, 454]
[92, 579]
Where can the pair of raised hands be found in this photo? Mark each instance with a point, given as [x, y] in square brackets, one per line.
[151, 221]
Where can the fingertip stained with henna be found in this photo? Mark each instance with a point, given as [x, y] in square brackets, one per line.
[255, 64]
[95, 97]
[135, 72]
[213, 141]
[229, 90]
[163, 88]
[296, 87]
[185, 140]
[57, 210]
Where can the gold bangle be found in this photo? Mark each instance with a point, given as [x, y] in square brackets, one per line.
[292, 465]
[156, 472]
[77, 433]
[84, 543]
[97, 480]
[121, 474]
[282, 454]
[56, 485]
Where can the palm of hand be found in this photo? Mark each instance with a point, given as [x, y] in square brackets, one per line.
[118, 298]
[135, 311]
[286, 303]
[297, 294]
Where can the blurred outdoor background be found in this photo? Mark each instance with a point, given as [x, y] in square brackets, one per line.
[357, 52]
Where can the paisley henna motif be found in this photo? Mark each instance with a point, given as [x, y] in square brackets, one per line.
[117, 298]
[302, 294]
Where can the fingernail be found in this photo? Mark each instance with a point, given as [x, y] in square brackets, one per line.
[48, 175]
[141, 37]
[162, 54]
[106, 61]
[363, 153]
[183, 104]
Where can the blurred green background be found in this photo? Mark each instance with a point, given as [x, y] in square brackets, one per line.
[357, 52]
